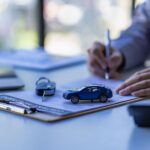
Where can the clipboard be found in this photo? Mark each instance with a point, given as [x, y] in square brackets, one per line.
[53, 115]
[56, 108]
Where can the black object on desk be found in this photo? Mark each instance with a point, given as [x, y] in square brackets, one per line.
[9, 79]
[141, 113]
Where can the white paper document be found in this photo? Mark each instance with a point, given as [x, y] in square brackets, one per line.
[57, 101]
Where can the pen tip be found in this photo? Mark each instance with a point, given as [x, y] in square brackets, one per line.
[107, 76]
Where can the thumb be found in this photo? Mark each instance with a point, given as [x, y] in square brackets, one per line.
[114, 60]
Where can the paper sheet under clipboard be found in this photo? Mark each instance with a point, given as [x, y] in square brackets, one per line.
[60, 108]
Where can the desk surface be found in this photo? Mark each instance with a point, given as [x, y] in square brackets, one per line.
[111, 129]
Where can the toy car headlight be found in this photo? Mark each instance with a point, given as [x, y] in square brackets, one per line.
[64, 95]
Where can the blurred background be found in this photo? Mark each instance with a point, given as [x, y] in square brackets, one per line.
[71, 25]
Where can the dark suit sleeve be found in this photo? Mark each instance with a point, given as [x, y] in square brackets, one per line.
[134, 43]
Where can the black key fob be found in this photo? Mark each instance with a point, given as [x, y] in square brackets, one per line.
[44, 87]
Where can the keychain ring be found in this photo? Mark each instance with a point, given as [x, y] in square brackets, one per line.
[42, 78]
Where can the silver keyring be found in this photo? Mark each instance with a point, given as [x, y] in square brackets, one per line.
[42, 78]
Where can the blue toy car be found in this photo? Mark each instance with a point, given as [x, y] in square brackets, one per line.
[93, 92]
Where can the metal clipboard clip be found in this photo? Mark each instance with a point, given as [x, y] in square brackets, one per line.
[5, 105]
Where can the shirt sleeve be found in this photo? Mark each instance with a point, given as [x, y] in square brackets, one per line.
[134, 43]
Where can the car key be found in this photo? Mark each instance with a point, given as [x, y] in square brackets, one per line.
[44, 87]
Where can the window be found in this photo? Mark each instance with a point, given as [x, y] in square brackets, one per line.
[95, 89]
[18, 27]
[73, 25]
[87, 90]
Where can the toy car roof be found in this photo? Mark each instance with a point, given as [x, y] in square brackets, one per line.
[96, 85]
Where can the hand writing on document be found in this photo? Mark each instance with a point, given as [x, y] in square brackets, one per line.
[137, 85]
[97, 62]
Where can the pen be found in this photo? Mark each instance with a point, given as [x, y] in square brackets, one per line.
[107, 53]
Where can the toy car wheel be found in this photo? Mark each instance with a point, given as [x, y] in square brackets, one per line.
[74, 99]
[103, 99]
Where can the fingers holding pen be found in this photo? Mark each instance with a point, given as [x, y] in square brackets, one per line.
[97, 69]
[114, 60]
[94, 67]
[97, 54]
[98, 63]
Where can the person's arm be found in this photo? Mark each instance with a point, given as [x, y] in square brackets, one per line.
[134, 43]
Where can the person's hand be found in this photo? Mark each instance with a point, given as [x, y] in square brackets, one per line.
[137, 85]
[97, 62]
